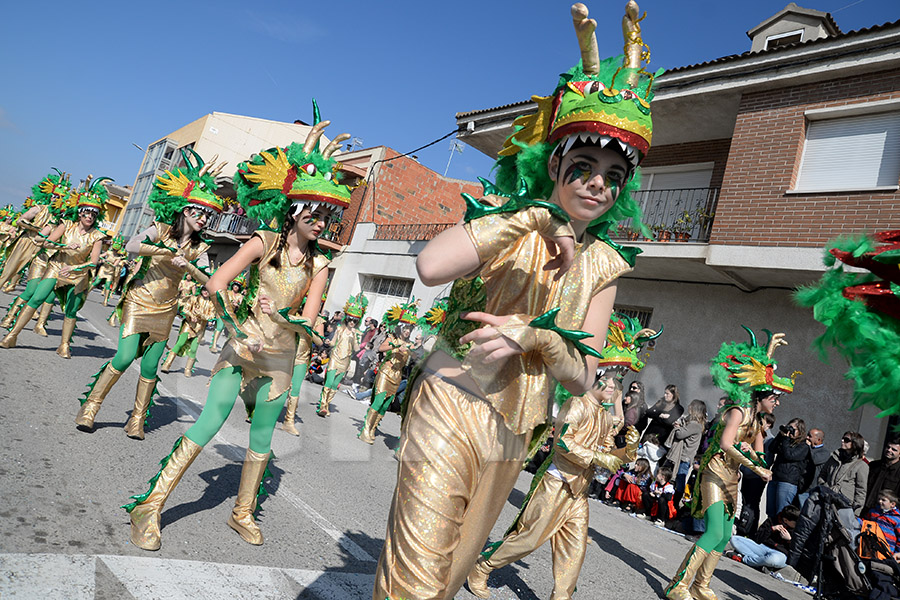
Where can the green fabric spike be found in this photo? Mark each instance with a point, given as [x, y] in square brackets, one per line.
[475, 209]
[90, 388]
[227, 317]
[548, 321]
[888, 257]
[601, 232]
[204, 270]
[293, 321]
[323, 251]
[560, 442]
[141, 498]
[151, 404]
[159, 245]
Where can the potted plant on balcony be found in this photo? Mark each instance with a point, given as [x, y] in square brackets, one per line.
[682, 226]
[662, 231]
[704, 218]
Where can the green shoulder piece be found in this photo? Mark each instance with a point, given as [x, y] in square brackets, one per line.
[601, 232]
[475, 209]
[302, 322]
[548, 321]
[226, 316]
[326, 253]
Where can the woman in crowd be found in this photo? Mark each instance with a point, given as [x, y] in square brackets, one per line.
[293, 188]
[183, 201]
[747, 373]
[791, 461]
[846, 472]
[664, 413]
[683, 443]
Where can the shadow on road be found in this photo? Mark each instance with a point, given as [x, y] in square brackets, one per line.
[351, 580]
[655, 579]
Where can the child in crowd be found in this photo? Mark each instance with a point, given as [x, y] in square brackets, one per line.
[887, 517]
[652, 451]
[772, 543]
[658, 502]
[633, 485]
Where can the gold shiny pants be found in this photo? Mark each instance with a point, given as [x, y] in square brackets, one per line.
[554, 514]
[20, 255]
[458, 464]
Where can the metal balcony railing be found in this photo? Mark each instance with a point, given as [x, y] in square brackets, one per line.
[683, 214]
[232, 223]
[410, 232]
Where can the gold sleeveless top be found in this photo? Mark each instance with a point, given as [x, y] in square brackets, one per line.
[390, 371]
[68, 257]
[720, 480]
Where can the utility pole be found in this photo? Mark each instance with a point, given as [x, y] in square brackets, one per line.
[455, 146]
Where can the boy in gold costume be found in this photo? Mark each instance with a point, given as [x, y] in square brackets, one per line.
[344, 345]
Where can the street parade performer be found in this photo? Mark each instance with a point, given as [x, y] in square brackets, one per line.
[111, 263]
[746, 373]
[536, 271]
[183, 201]
[396, 349]
[556, 507]
[25, 247]
[236, 289]
[196, 311]
[78, 243]
[294, 193]
[344, 345]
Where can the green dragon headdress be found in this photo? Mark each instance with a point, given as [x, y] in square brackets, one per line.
[50, 188]
[192, 185]
[625, 340]
[281, 180]
[402, 314]
[739, 369]
[434, 317]
[118, 244]
[604, 103]
[92, 197]
[355, 307]
[861, 314]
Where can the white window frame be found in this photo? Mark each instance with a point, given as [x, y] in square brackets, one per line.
[838, 112]
[779, 36]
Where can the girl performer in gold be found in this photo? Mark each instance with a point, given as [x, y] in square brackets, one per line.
[344, 345]
[294, 189]
[746, 372]
[68, 273]
[396, 349]
[535, 267]
[196, 311]
[183, 201]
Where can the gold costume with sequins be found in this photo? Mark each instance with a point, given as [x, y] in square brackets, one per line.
[286, 287]
[150, 302]
[74, 257]
[344, 344]
[451, 483]
[26, 247]
[719, 481]
[390, 371]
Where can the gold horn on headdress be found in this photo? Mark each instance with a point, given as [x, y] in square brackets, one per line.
[314, 134]
[587, 41]
[334, 144]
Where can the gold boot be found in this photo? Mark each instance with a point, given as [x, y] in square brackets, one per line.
[324, 400]
[701, 590]
[678, 587]
[478, 578]
[367, 433]
[145, 511]
[134, 428]
[10, 318]
[189, 367]
[214, 345]
[68, 329]
[106, 296]
[167, 364]
[112, 319]
[24, 317]
[290, 411]
[241, 519]
[106, 379]
[46, 309]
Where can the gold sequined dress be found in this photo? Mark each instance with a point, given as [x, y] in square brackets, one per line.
[461, 450]
[286, 287]
[25, 247]
[345, 343]
[390, 371]
[74, 257]
[150, 302]
[720, 479]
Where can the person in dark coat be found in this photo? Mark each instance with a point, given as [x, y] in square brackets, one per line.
[884, 474]
[789, 469]
[664, 413]
[818, 456]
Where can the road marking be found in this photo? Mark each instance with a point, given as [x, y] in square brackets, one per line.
[193, 408]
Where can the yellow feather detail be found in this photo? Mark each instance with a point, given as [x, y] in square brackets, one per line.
[534, 127]
[271, 174]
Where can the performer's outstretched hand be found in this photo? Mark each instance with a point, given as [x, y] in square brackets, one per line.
[562, 249]
[489, 342]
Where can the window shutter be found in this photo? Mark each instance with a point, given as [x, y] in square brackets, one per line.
[851, 153]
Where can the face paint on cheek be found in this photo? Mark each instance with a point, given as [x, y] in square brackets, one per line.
[575, 172]
[311, 220]
[613, 187]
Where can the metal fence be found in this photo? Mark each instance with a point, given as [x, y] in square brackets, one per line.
[231, 223]
[410, 232]
[684, 214]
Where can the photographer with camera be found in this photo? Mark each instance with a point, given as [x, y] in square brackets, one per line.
[789, 468]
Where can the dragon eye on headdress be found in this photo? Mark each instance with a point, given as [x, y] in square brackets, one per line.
[309, 168]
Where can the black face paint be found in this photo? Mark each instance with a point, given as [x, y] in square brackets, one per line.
[578, 170]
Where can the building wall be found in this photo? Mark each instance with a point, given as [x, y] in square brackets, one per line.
[692, 152]
[693, 330]
[765, 153]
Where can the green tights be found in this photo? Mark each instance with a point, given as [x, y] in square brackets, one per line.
[129, 349]
[224, 388]
[191, 350]
[30, 288]
[718, 529]
[70, 302]
[333, 378]
[381, 402]
[297, 377]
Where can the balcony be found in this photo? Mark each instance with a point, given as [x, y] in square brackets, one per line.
[231, 223]
[410, 232]
[683, 215]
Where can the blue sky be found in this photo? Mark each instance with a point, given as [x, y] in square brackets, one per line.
[83, 81]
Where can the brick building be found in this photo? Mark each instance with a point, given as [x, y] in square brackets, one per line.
[757, 160]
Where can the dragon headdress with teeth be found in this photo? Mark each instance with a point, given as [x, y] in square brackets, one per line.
[605, 103]
[861, 315]
[356, 306]
[282, 180]
[402, 314]
[625, 341]
[51, 190]
[92, 196]
[193, 185]
[430, 323]
[740, 368]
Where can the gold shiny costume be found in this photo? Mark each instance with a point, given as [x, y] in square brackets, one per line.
[26, 247]
[344, 344]
[74, 257]
[557, 510]
[286, 286]
[462, 450]
[720, 480]
[150, 302]
[390, 371]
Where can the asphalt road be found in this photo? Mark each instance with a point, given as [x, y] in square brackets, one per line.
[63, 535]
